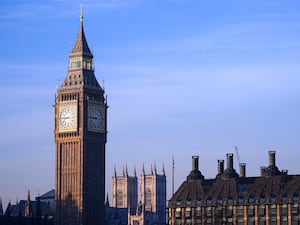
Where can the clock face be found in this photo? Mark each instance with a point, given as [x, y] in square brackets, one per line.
[95, 118]
[67, 117]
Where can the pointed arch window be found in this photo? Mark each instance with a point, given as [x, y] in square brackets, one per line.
[148, 197]
[119, 198]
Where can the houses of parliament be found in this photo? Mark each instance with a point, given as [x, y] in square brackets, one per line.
[80, 132]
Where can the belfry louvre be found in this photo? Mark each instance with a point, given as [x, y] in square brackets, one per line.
[232, 198]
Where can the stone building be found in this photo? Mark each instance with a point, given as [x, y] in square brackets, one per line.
[151, 206]
[124, 190]
[151, 209]
[80, 137]
[232, 198]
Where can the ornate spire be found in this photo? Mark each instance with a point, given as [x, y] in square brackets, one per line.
[28, 196]
[134, 171]
[81, 47]
[27, 205]
[107, 200]
[81, 65]
[143, 170]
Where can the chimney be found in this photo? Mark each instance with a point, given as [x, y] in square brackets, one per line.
[284, 172]
[195, 173]
[195, 163]
[272, 158]
[262, 170]
[229, 160]
[242, 169]
[220, 166]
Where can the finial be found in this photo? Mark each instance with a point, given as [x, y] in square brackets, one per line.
[81, 13]
[107, 200]
[134, 171]
[126, 171]
[103, 85]
[28, 196]
[143, 169]
[57, 85]
[163, 170]
[115, 171]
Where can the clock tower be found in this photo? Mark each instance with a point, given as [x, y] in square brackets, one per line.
[80, 138]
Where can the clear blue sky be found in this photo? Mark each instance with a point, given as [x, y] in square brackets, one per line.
[183, 78]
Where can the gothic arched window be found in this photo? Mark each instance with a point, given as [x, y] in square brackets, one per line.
[119, 198]
[148, 197]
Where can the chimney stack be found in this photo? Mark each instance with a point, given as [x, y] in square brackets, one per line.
[262, 170]
[272, 158]
[242, 169]
[284, 172]
[195, 173]
[229, 160]
[195, 163]
[220, 166]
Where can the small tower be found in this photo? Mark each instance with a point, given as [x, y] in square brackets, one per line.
[28, 206]
[124, 190]
[153, 195]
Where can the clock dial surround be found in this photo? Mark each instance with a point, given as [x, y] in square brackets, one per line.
[67, 118]
[95, 118]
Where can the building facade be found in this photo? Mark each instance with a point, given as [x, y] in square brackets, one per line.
[232, 198]
[124, 190]
[147, 209]
[80, 138]
[151, 209]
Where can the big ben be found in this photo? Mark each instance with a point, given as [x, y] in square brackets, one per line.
[80, 138]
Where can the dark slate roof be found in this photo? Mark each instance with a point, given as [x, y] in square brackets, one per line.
[48, 195]
[272, 187]
[220, 191]
[81, 78]
[116, 215]
[19, 209]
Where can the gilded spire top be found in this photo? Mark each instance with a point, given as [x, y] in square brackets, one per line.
[81, 13]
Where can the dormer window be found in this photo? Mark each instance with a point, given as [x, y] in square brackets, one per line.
[273, 198]
[188, 202]
[295, 197]
[262, 198]
[178, 202]
[284, 197]
[209, 200]
[230, 200]
[198, 202]
[251, 198]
